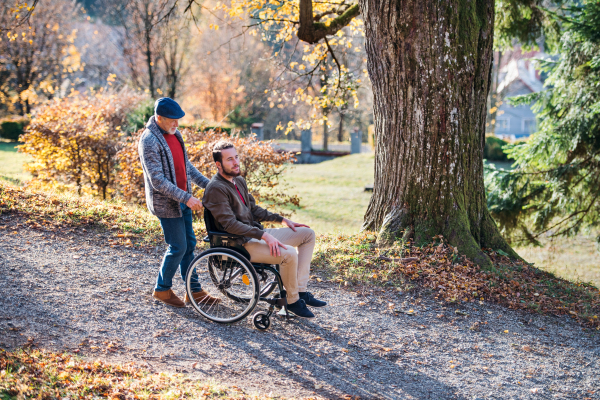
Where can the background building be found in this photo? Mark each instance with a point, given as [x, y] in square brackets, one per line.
[518, 75]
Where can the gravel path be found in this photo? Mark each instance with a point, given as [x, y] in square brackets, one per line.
[68, 291]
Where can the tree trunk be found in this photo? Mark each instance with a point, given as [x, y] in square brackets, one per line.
[150, 65]
[494, 96]
[148, 44]
[340, 135]
[429, 62]
[325, 145]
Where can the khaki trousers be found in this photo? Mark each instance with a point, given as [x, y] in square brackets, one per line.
[294, 261]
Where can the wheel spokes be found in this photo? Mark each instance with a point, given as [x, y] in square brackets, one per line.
[228, 280]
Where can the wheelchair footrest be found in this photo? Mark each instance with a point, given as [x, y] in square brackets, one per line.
[275, 301]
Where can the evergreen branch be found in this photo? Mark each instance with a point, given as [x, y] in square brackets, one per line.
[569, 217]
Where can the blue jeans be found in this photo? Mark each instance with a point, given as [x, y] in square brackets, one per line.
[181, 239]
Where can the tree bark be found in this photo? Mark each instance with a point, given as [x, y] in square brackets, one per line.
[429, 62]
[340, 136]
[325, 144]
[149, 61]
[494, 98]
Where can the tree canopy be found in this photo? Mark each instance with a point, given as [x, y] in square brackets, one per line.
[555, 188]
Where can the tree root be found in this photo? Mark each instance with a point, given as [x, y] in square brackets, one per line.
[456, 230]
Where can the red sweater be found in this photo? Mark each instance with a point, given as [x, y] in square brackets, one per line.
[178, 160]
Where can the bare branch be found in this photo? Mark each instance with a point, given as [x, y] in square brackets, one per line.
[23, 20]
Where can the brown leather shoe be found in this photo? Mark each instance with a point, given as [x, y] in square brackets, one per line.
[168, 297]
[202, 297]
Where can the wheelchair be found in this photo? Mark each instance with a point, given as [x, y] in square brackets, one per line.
[225, 272]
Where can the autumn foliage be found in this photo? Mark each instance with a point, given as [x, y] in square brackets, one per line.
[38, 52]
[262, 166]
[78, 142]
[74, 141]
[43, 374]
[452, 278]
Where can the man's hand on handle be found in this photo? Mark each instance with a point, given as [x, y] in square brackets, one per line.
[293, 225]
[194, 204]
[273, 243]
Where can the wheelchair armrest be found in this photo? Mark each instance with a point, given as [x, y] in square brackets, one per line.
[224, 234]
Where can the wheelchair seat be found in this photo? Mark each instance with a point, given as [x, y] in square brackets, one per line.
[218, 238]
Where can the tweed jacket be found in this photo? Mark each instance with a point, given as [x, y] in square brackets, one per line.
[162, 194]
[231, 214]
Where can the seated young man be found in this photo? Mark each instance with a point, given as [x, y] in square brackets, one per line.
[235, 211]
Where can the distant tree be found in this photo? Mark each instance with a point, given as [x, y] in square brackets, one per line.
[555, 188]
[16, 14]
[144, 29]
[174, 51]
[494, 97]
[36, 56]
[221, 91]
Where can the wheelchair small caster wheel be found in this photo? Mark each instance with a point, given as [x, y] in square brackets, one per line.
[261, 321]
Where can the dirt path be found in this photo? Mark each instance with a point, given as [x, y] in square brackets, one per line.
[69, 291]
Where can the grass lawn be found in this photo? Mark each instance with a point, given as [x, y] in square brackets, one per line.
[576, 259]
[333, 200]
[332, 193]
[11, 162]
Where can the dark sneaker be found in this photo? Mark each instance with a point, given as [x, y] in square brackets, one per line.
[299, 308]
[310, 300]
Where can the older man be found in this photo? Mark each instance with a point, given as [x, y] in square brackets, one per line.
[235, 211]
[167, 177]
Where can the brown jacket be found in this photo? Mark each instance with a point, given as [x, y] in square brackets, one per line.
[231, 215]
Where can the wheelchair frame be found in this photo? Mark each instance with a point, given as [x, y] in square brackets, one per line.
[218, 239]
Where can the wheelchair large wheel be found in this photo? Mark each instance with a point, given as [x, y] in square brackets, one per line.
[229, 277]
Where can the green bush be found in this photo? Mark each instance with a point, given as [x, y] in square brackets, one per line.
[493, 149]
[11, 129]
[138, 118]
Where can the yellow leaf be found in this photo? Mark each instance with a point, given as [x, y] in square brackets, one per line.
[63, 376]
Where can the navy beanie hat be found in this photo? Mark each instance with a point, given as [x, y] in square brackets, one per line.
[168, 108]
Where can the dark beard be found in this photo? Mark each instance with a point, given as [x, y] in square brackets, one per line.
[231, 173]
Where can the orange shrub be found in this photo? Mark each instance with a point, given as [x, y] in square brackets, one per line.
[261, 166]
[73, 141]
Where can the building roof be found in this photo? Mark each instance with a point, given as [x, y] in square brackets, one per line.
[520, 70]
